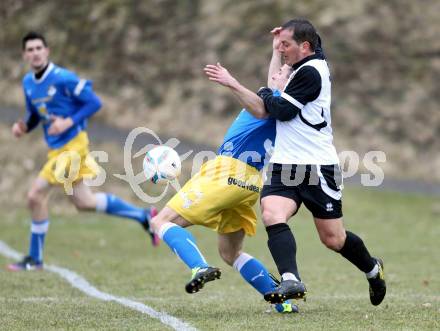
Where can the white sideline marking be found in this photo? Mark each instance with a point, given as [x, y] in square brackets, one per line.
[84, 286]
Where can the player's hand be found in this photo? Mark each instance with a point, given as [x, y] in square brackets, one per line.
[219, 74]
[276, 37]
[19, 128]
[59, 125]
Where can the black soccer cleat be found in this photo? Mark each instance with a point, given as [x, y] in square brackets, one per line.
[287, 289]
[274, 279]
[286, 307]
[27, 264]
[378, 287]
[200, 276]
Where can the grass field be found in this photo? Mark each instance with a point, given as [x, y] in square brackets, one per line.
[116, 257]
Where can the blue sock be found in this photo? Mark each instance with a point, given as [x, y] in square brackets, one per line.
[113, 205]
[183, 244]
[255, 273]
[36, 245]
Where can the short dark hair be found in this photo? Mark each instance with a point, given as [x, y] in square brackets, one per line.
[31, 36]
[303, 31]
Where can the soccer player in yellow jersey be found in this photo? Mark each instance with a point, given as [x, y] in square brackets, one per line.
[221, 197]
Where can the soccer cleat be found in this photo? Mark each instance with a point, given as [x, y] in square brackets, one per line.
[149, 214]
[200, 276]
[275, 280]
[287, 289]
[27, 264]
[378, 288]
[286, 308]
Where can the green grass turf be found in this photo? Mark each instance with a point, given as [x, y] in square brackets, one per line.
[116, 257]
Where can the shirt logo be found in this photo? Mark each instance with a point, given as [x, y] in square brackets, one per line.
[51, 91]
[42, 111]
[261, 274]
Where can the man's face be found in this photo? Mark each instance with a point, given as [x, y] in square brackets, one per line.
[291, 51]
[36, 54]
[280, 78]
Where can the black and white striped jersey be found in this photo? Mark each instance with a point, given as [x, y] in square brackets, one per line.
[304, 133]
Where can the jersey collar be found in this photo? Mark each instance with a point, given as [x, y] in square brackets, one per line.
[46, 73]
[318, 56]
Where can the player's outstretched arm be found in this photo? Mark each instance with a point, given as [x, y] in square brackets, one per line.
[275, 61]
[248, 99]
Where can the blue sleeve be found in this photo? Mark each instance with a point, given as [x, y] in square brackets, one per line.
[82, 91]
[32, 117]
[92, 105]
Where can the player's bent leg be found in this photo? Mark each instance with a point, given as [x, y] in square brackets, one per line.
[85, 200]
[230, 245]
[251, 269]
[37, 202]
[167, 215]
[350, 246]
[169, 225]
[276, 210]
[331, 233]
[37, 198]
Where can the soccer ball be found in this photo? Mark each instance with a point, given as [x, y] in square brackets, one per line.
[162, 164]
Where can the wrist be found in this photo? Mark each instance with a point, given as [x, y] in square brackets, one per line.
[234, 84]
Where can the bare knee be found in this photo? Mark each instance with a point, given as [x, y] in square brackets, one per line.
[35, 199]
[267, 216]
[277, 209]
[83, 204]
[228, 255]
[333, 241]
[156, 223]
[167, 215]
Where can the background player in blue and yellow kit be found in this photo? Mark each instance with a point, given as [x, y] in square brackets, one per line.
[62, 102]
[221, 196]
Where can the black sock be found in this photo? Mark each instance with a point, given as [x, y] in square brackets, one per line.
[355, 251]
[282, 246]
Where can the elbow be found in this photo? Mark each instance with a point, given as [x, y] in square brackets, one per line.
[94, 105]
[260, 114]
[260, 110]
[97, 104]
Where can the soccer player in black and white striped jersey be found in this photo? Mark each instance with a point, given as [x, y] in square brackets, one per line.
[304, 167]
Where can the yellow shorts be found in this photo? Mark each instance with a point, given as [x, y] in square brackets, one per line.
[221, 196]
[70, 163]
